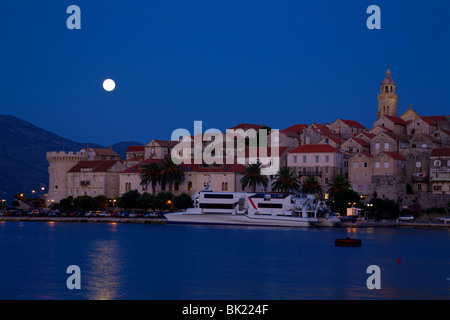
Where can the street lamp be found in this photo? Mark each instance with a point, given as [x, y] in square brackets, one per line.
[32, 194]
[3, 201]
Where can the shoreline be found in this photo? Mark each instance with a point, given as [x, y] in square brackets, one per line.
[86, 219]
[361, 224]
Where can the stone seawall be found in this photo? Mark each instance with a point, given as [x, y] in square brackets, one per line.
[87, 219]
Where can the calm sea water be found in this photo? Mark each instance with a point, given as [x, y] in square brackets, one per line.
[146, 261]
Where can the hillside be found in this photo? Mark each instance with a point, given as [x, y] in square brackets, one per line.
[23, 148]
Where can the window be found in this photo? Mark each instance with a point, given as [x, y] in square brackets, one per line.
[424, 145]
[317, 159]
[437, 163]
[386, 164]
[355, 164]
[437, 187]
[377, 165]
[365, 164]
[386, 146]
[190, 185]
[377, 146]
[419, 186]
[304, 159]
[350, 149]
[326, 180]
[295, 159]
[345, 164]
[327, 159]
[326, 169]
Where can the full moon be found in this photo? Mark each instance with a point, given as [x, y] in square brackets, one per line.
[109, 85]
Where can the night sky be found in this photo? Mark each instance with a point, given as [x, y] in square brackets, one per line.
[222, 62]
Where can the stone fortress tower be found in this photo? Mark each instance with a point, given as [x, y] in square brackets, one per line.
[387, 99]
[59, 164]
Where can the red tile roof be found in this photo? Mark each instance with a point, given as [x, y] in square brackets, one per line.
[396, 120]
[352, 123]
[136, 149]
[362, 142]
[384, 128]
[434, 119]
[94, 165]
[315, 148]
[295, 128]
[395, 155]
[441, 152]
[367, 134]
[367, 154]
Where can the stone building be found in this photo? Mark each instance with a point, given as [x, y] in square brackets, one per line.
[440, 171]
[320, 160]
[60, 163]
[395, 124]
[360, 172]
[94, 178]
[346, 128]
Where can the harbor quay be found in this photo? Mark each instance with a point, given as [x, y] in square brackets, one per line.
[357, 224]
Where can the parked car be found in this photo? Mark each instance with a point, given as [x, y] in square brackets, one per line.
[348, 218]
[406, 217]
[444, 219]
[150, 215]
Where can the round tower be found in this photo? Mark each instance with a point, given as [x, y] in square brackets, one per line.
[59, 164]
[387, 99]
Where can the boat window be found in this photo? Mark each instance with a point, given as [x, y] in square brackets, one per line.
[218, 196]
[270, 205]
[217, 205]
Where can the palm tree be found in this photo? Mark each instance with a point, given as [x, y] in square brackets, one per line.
[312, 185]
[151, 174]
[286, 180]
[171, 172]
[338, 183]
[253, 177]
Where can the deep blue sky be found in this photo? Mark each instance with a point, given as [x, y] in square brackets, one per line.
[223, 62]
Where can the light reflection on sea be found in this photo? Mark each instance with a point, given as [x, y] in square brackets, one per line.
[142, 261]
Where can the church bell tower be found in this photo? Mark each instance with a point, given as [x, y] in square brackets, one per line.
[387, 99]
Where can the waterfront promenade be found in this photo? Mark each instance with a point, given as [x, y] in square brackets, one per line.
[358, 224]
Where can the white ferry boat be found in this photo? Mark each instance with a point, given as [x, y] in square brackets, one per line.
[254, 209]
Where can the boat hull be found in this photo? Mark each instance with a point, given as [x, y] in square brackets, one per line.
[347, 242]
[237, 219]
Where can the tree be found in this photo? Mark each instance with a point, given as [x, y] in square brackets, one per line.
[182, 201]
[345, 199]
[286, 180]
[171, 172]
[129, 199]
[163, 201]
[145, 201]
[151, 174]
[312, 186]
[84, 203]
[100, 202]
[253, 177]
[338, 183]
[66, 204]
